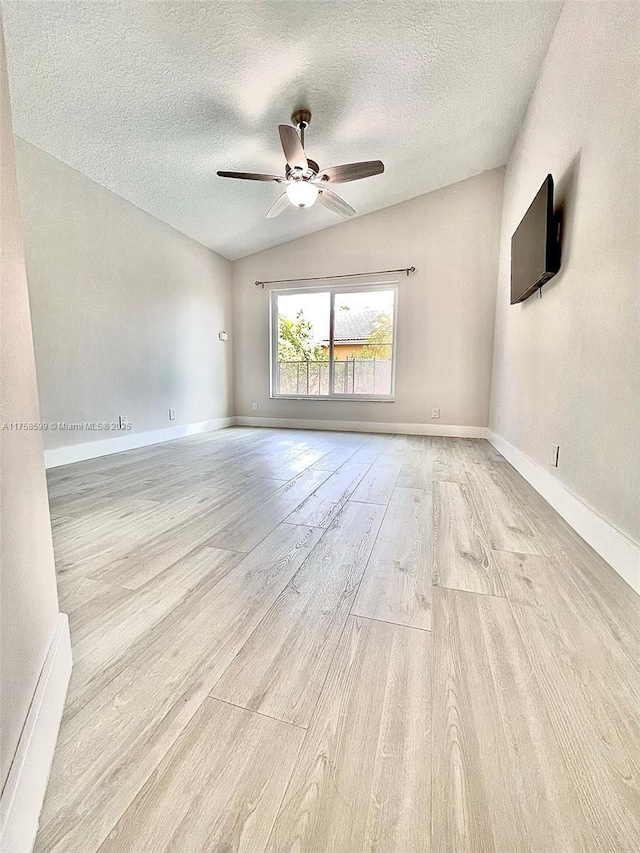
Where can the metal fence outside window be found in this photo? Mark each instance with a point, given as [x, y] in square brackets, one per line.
[353, 376]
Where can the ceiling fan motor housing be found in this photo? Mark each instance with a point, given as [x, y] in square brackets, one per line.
[302, 174]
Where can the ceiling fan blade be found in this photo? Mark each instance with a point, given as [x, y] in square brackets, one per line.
[334, 202]
[292, 147]
[351, 172]
[250, 176]
[280, 204]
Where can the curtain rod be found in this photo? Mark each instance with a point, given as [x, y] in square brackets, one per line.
[261, 284]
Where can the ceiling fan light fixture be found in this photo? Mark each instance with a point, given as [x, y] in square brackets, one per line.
[302, 193]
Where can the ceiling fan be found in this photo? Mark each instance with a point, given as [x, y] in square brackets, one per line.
[305, 182]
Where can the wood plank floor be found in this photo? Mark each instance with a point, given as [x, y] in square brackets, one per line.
[322, 642]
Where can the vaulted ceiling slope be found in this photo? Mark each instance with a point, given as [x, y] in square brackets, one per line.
[149, 99]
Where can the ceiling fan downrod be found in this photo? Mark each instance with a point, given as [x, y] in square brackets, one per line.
[301, 119]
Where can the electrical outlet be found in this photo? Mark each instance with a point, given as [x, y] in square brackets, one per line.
[123, 420]
[254, 407]
[435, 413]
[172, 414]
[555, 455]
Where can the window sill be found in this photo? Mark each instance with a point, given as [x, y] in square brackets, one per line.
[347, 398]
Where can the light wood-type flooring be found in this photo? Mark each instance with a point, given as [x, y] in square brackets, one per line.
[322, 642]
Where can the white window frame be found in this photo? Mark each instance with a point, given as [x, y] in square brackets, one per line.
[332, 290]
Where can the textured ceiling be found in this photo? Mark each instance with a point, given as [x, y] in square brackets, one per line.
[149, 99]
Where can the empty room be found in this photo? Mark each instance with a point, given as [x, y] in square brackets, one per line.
[320, 426]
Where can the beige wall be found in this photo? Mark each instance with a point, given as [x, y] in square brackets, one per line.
[126, 310]
[29, 602]
[445, 309]
[567, 366]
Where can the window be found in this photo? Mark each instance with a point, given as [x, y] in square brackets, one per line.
[333, 342]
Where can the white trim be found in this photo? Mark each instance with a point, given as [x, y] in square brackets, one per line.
[26, 784]
[613, 546]
[366, 426]
[340, 398]
[129, 441]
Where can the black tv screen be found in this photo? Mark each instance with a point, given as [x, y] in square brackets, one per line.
[534, 246]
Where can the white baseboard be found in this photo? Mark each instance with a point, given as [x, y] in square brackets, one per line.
[26, 784]
[365, 426]
[128, 441]
[57, 456]
[613, 546]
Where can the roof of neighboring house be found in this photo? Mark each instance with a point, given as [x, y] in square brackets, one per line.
[355, 327]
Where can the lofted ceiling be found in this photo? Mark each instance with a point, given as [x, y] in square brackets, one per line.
[149, 99]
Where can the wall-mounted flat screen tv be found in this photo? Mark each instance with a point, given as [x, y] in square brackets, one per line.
[535, 248]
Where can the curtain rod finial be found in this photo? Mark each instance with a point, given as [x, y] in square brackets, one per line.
[259, 284]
